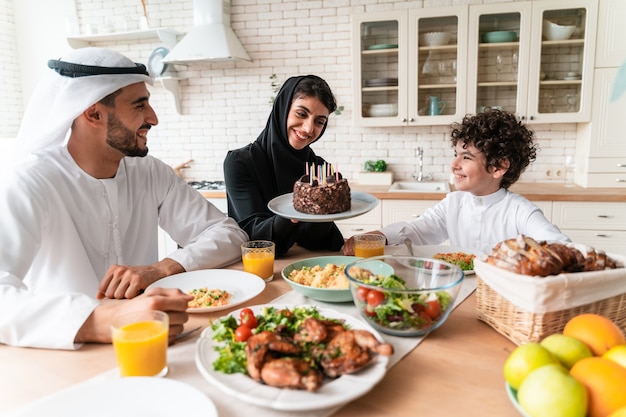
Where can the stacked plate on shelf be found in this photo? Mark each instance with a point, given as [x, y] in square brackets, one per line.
[498, 36]
[381, 82]
[383, 46]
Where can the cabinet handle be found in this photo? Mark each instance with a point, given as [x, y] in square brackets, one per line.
[602, 235]
[605, 216]
[358, 229]
[403, 119]
[411, 119]
[532, 117]
[620, 180]
[621, 165]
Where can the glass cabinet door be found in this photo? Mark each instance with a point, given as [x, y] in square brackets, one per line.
[533, 58]
[379, 71]
[437, 64]
[498, 60]
[562, 70]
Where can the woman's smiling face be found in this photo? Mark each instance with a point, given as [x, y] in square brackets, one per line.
[306, 120]
[470, 173]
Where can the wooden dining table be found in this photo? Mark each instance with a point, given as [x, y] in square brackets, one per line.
[455, 371]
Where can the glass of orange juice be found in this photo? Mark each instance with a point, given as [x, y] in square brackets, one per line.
[258, 258]
[368, 245]
[140, 343]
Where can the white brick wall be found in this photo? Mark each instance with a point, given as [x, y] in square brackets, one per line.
[225, 105]
[11, 103]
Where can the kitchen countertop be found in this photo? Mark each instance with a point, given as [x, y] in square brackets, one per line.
[456, 370]
[532, 191]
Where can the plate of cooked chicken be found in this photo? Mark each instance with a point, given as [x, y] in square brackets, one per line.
[296, 357]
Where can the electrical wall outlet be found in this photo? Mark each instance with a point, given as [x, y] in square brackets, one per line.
[553, 172]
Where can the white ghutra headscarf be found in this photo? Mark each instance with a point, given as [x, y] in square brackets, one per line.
[76, 81]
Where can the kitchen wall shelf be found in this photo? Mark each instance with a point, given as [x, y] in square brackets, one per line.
[168, 37]
[171, 85]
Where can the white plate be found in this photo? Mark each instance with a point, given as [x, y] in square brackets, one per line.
[361, 203]
[428, 251]
[331, 394]
[132, 396]
[243, 286]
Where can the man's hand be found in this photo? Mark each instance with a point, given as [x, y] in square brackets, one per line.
[172, 301]
[128, 281]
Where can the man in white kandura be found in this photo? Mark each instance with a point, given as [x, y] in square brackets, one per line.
[80, 213]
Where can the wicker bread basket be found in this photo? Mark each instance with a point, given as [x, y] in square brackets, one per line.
[525, 309]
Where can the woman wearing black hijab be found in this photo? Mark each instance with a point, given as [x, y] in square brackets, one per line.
[269, 167]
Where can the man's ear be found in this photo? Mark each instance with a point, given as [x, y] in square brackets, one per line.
[498, 172]
[93, 114]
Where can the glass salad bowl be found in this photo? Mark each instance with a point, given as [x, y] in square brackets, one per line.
[414, 299]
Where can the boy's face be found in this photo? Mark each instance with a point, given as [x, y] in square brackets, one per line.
[470, 174]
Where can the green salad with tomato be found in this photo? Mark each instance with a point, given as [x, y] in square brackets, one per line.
[231, 335]
[399, 310]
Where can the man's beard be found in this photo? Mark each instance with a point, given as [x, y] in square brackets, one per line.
[123, 139]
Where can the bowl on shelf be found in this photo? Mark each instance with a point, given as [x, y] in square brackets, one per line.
[414, 306]
[435, 38]
[499, 36]
[383, 110]
[554, 32]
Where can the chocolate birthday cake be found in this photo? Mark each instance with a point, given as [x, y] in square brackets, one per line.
[311, 196]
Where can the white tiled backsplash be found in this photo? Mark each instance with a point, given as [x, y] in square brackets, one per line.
[225, 105]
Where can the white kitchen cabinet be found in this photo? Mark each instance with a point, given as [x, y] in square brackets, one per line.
[508, 74]
[404, 210]
[397, 76]
[600, 146]
[611, 48]
[600, 225]
[361, 224]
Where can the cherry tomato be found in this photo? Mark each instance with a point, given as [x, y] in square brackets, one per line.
[361, 294]
[426, 318]
[245, 312]
[369, 311]
[433, 309]
[375, 298]
[248, 318]
[285, 313]
[242, 333]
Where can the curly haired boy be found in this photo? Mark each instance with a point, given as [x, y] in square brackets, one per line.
[491, 150]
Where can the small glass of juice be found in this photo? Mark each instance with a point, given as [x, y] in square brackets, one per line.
[258, 258]
[140, 343]
[368, 245]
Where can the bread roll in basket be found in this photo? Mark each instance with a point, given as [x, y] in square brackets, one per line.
[523, 255]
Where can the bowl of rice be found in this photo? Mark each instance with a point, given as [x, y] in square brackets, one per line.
[321, 278]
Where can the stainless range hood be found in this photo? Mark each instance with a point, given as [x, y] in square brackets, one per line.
[211, 39]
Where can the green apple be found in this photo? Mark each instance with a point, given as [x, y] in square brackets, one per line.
[524, 359]
[567, 349]
[550, 391]
[617, 354]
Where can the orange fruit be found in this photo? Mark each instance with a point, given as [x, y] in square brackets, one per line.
[619, 413]
[596, 331]
[604, 380]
